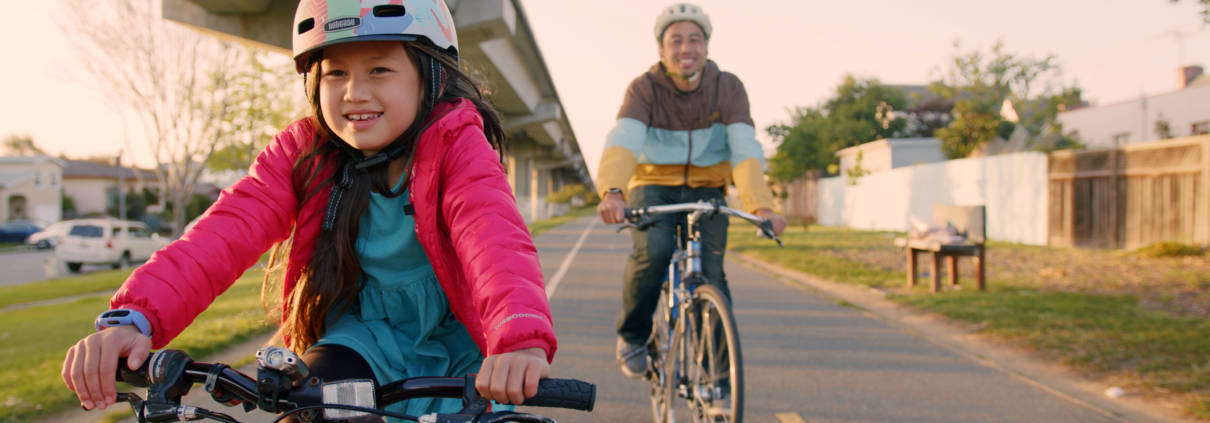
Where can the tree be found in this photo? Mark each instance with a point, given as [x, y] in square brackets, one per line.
[21, 145]
[1205, 9]
[979, 84]
[267, 98]
[860, 111]
[173, 80]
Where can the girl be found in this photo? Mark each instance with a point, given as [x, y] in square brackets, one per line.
[406, 254]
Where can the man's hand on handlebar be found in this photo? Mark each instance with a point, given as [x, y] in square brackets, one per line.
[511, 377]
[611, 208]
[779, 223]
[89, 366]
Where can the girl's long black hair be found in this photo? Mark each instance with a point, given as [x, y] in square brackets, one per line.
[330, 282]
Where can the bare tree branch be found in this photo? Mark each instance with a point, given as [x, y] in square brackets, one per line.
[173, 79]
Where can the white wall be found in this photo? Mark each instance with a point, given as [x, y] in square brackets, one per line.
[1012, 186]
[1098, 125]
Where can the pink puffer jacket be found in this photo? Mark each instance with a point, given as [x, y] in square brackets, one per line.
[466, 220]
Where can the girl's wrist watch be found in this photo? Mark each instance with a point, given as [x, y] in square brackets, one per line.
[124, 317]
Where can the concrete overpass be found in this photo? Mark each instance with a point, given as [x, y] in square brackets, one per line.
[497, 45]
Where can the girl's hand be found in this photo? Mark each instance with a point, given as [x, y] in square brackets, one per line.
[91, 364]
[511, 377]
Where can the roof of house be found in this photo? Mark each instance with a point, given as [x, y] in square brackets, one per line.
[8, 179]
[87, 169]
[30, 160]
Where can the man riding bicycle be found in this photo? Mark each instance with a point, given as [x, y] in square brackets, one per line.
[684, 132]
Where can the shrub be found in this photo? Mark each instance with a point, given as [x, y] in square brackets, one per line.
[565, 194]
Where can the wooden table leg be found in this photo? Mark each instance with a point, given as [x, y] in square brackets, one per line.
[979, 264]
[911, 267]
[936, 272]
[953, 268]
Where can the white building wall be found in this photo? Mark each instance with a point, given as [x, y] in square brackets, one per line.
[1097, 126]
[1012, 186]
[89, 195]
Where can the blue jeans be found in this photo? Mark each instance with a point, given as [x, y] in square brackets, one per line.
[647, 266]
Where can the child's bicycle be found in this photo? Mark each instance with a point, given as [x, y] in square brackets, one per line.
[695, 366]
[282, 385]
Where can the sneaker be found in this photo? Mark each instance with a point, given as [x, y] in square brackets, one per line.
[633, 359]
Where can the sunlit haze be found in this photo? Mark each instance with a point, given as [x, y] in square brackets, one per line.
[787, 53]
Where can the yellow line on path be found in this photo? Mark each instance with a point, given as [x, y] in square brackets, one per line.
[789, 418]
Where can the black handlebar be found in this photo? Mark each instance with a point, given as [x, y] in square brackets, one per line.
[564, 393]
[169, 374]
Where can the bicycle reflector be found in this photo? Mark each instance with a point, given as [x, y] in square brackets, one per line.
[356, 392]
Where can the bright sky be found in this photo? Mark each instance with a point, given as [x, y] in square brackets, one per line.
[787, 52]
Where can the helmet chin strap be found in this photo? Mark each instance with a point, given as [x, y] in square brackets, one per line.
[362, 165]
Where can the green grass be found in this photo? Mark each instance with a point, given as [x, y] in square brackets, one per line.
[819, 245]
[1098, 333]
[539, 226]
[63, 287]
[34, 340]
[13, 246]
[1170, 249]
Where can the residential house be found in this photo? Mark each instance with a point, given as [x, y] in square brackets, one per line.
[1185, 112]
[93, 186]
[30, 188]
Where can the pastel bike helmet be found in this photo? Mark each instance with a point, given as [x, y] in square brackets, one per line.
[322, 23]
[681, 12]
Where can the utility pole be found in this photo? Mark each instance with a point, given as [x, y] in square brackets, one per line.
[121, 187]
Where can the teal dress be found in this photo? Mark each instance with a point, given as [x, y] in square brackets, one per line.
[401, 322]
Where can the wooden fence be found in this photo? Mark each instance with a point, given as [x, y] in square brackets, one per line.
[1131, 196]
[798, 200]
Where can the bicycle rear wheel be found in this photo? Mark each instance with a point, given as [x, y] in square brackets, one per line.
[706, 353]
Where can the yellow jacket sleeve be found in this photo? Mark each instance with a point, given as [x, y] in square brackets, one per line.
[616, 167]
[750, 181]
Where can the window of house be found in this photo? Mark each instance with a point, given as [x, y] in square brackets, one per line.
[1201, 128]
[1121, 138]
[37, 178]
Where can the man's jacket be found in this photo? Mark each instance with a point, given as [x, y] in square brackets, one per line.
[702, 138]
[466, 220]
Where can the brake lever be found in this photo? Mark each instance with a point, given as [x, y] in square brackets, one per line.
[766, 231]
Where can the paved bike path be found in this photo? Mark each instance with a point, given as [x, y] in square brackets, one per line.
[807, 357]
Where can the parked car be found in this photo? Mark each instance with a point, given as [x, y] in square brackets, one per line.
[18, 230]
[49, 237]
[107, 241]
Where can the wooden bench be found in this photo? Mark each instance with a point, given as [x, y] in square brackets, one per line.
[970, 224]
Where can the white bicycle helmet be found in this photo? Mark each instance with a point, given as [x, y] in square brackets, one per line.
[681, 12]
[321, 23]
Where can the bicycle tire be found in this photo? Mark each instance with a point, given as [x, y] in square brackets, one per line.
[659, 356]
[693, 371]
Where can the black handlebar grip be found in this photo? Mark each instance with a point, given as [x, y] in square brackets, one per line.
[133, 377]
[564, 393]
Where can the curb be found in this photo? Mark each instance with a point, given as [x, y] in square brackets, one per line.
[1019, 364]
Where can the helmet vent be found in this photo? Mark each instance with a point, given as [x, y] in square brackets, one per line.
[389, 11]
[306, 25]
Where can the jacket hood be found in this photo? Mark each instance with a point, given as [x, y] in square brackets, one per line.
[657, 73]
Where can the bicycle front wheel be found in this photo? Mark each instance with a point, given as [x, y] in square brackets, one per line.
[706, 343]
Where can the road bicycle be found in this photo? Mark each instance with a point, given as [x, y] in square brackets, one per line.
[283, 385]
[694, 361]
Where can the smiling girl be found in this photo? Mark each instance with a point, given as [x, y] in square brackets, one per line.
[406, 255]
